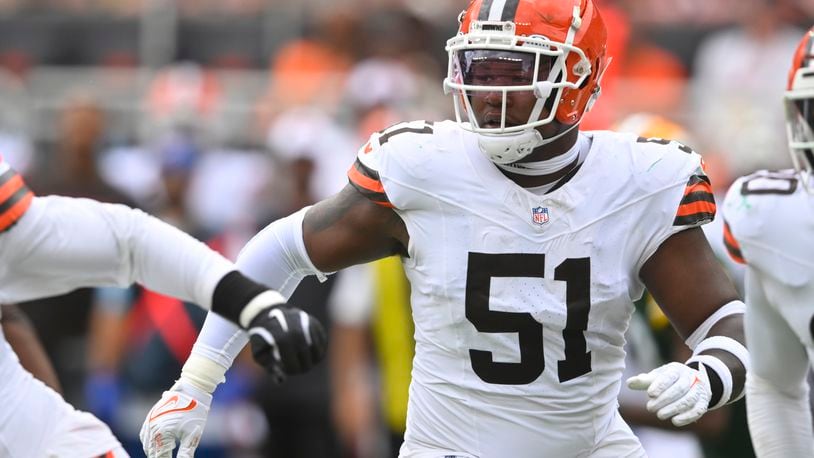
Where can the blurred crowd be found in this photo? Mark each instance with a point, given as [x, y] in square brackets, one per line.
[221, 116]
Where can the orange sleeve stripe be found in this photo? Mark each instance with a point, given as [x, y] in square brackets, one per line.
[700, 206]
[733, 248]
[10, 187]
[364, 181]
[383, 204]
[701, 186]
[729, 238]
[15, 212]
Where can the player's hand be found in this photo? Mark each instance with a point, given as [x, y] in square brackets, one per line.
[285, 340]
[180, 415]
[676, 391]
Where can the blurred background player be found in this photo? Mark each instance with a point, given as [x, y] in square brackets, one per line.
[769, 225]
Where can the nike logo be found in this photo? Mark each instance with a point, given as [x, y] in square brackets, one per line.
[169, 405]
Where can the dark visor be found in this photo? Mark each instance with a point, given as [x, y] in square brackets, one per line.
[482, 67]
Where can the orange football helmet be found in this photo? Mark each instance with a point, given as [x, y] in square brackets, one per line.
[554, 49]
[799, 101]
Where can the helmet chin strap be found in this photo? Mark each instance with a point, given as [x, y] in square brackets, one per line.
[508, 148]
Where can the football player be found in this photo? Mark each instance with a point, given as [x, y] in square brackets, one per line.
[525, 242]
[769, 227]
[52, 245]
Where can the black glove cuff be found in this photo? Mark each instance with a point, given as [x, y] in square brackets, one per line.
[233, 293]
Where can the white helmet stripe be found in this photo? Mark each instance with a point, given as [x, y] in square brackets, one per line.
[485, 9]
[496, 11]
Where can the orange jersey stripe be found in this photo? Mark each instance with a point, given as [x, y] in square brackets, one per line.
[701, 186]
[729, 238]
[365, 182]
[16, 211]
[384, 204]
[732, 246]
[10, 187]
[700, 206]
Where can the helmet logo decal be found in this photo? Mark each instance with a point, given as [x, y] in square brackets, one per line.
[539, 215]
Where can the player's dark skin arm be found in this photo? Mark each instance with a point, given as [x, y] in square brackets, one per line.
[348, 229]
[23, 340]
[689, 284]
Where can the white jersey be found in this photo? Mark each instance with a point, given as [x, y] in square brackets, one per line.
[521, 301]
[769, 222]
[769, 226]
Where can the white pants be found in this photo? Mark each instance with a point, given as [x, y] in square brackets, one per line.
[620, 442]
[440, 426]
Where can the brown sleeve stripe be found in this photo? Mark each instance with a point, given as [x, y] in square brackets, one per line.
[15, 198]
[698, 204]
[690, 209]
[366, 181]
[694, 219]
[14, 207]
[7, 176]
[698, 183]
[732, 245]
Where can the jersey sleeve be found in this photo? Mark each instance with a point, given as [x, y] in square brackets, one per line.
[679, 193]
[766, 221]
[697, 205]
[364, 173]
[733, 218]
[15, 197]
[387, 154]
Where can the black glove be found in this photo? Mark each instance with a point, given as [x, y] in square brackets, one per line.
[285, 340]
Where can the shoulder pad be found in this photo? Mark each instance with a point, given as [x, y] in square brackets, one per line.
[370, 153]
[364, 174]
[667, 160]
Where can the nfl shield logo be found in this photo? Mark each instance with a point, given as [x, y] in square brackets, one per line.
[539, 215]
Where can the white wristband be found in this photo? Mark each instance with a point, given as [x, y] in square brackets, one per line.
[261, 301]
[732, 308]
[203, 373]
[729, 345]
